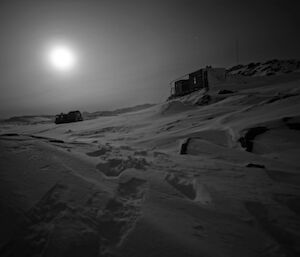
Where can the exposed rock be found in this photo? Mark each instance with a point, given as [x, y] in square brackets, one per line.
[255, 165]
[184, 145]
[225, 91]
[247, 140]
[204, 100]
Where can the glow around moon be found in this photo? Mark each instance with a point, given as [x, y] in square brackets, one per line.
[62, 58]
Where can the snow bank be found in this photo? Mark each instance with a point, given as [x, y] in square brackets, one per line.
[173, 107]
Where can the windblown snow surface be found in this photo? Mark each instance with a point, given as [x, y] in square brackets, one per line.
[208, 174]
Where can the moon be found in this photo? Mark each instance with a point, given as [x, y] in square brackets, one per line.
[62, 58]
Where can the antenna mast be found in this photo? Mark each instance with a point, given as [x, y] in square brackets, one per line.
[237, 52]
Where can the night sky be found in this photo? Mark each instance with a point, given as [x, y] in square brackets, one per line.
[128, 51]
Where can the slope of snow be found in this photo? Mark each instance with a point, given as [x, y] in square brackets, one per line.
[187, 177]
[269, 68]
[30, 119]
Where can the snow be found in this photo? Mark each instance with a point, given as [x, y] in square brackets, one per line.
[181, 178]
[269, 68]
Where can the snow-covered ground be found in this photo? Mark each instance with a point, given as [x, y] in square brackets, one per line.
[269, 68]
[207, 174]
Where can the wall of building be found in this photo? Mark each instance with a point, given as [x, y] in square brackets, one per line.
[182, 87]
[203, 78]
[198, 79]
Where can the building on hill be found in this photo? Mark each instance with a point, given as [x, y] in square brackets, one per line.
[72, 116]
[200, 79]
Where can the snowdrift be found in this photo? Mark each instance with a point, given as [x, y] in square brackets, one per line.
[195, 176]
[174, 107]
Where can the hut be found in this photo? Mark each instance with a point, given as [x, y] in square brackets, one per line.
[72, 116]
[204, 78]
